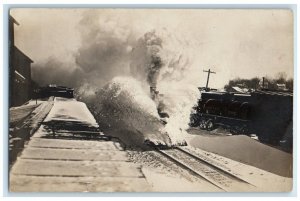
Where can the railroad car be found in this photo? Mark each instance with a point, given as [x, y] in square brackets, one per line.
[267, 114]
[54, 90]
[228, 110]
[272, 115]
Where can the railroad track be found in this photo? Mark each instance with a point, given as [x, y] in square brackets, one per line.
[213, 174]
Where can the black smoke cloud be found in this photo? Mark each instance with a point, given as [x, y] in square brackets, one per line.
[146, 60]
[108, 49]
[105, 51]
[103, 54]
[53, 71]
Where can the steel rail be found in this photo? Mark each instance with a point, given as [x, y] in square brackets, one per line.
[207, 171]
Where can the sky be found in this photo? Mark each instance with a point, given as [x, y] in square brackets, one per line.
[95, 44]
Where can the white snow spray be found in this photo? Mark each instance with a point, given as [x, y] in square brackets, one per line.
[124, 107]
[119, 67]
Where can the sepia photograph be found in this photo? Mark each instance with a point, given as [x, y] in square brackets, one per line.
[150, 100]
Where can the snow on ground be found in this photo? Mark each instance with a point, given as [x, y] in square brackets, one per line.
[166, 182]
[39, 114]
[165, 176]
[70, 110]
[246, 150]
[263, 180]
[17, 114]
[24, 121]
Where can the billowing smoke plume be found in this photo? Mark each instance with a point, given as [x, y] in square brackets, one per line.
[54, 71]
[114, 68]
[146, 59]
[105, 49]
[104, 53]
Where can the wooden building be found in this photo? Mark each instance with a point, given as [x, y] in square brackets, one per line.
[20, 89]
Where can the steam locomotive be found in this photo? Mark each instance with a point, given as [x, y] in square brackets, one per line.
[232, 111]
[268, 114]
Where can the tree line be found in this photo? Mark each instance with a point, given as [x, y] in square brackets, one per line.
[260, 83]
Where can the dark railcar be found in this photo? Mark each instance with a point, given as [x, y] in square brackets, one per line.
[223, 109]
[272, 115]
[53, 90]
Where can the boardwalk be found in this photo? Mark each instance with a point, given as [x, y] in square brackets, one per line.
[59, 159]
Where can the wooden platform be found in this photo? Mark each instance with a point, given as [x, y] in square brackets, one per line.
[52, 164]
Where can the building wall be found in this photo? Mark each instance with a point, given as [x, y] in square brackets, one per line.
[20, 88]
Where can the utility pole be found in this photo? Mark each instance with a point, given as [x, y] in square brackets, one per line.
[208, 74]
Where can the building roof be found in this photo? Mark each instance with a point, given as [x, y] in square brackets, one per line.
[13, 20]
[278, 93]
[280, 85]
[18, 50]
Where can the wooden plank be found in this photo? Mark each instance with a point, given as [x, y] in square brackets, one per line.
[19, 183]
[72, 136]
[74, 154]
[73, 144]
[76, 168]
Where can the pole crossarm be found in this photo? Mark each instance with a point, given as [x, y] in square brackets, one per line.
[208, 74]
[207, 71]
